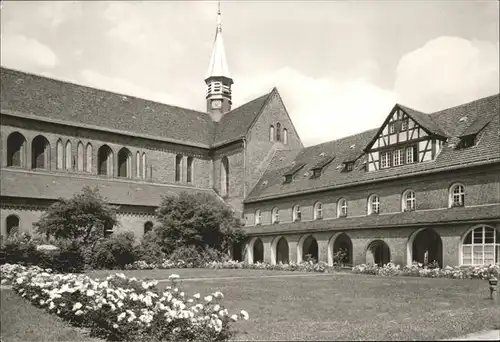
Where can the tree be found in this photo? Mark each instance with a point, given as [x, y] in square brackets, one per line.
[81, 219]
[200, 220]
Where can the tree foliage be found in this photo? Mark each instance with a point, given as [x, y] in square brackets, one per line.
[199, 220]
[83, 218]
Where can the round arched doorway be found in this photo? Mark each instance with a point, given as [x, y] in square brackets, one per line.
[282, 251]
[308, 248]
[258, 251]
[342, 250]
[425, 247]
[378, 253]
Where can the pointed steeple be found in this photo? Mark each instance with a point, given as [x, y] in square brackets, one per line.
[218, 78]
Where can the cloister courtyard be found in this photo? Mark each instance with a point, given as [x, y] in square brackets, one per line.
[305, 306]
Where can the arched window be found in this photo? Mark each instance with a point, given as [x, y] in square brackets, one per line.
[278, 132]
[481, 246]
[296, 214]
[224, 179]
[16, 150]
[40, 153]
[457, 195]
[148, 226]
[409, 201]
[88, 166]
[138, 164]
[105, 159]
[275, 216]
[342, 208]
[69, 156]
[373, 205]
[79, 153]
[285, 136]
[271, 133]
[12, 223]
[60, 154]
[318, 211]
[124, 163]
[178, 168]
[189, 170]
[144, 165]
[258, 217]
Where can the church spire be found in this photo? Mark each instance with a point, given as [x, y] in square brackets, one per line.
[218, 78]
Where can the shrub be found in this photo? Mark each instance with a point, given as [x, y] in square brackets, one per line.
[196, 257]
[20, 248]
[82, 218]
[149, 250]
[199, 220]
[115, 251]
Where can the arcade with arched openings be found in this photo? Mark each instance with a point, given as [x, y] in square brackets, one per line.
[378, 253]
[307, 246]
[425, 246]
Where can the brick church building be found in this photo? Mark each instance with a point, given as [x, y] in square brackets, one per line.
[421, 186]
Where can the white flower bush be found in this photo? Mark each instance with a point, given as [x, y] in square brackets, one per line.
[124, 309]
[419, 270]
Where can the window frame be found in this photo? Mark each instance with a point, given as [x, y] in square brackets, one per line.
[476, 253]
[342, 207]
[296, 213]
[318, 210]
[452, 194]
[258, 217]
[372, 203]
[405, 199]
[275, 216]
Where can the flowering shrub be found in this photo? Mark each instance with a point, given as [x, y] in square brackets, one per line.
[308, 266]
[418, 270]
[119, 308]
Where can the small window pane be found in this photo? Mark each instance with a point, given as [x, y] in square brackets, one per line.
[477, 254]
[489, 235]
[468, 239]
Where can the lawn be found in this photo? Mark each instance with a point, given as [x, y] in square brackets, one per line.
[21, 321]
[306, 306]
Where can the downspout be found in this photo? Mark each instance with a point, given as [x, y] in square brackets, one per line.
[244, 168]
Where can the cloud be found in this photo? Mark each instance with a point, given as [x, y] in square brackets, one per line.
[322, 109]
[22, 52]
[124, 86]
[447, 71]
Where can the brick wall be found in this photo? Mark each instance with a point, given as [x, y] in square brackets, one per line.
[128, 221]
[260, 149]
[160, 159]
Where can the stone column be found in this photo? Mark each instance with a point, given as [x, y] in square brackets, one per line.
[266, 242]
[322, 239]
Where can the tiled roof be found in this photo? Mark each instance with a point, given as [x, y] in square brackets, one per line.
[406, 219]
[44, 98]
[236, 123]
[423, 119]
[54, 99]
[16, 183]
[487, 150]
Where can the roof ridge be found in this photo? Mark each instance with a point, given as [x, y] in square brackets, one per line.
[345, 137]
[59, 80]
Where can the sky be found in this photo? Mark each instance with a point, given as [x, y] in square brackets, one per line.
[340, 66]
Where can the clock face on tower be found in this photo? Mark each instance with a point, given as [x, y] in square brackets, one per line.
[216, 104]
